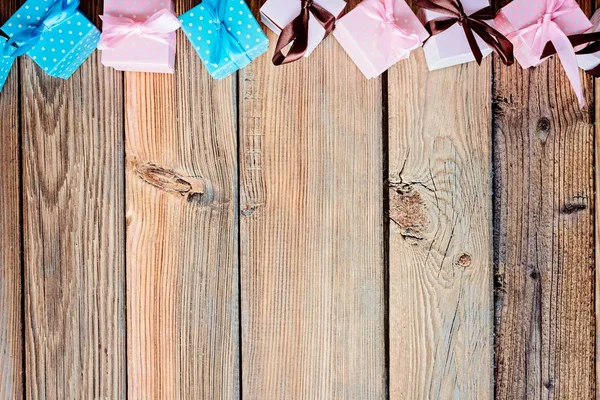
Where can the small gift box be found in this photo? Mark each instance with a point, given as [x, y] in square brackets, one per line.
[451, 46]
[522, 21]
[379, 33]
[139, 35]
[6, 61]
[278, 16]
[589, 61]
[532, 24]
[225, 35]
[56, 35]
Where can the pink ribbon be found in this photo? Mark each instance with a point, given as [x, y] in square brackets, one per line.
[546, 30]
[393, 40]
[118, 29]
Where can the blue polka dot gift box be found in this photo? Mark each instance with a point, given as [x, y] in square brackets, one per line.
[54, 33]
[6, 62]
[225, 35]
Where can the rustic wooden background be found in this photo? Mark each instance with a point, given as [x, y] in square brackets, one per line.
[297, 232]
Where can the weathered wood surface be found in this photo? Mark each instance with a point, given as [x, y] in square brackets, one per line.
[440, 252]
[73, 231]
[311, 229]
[544, 234]
[281, 284]
[597, 230]
[182, 249]
[11, 335]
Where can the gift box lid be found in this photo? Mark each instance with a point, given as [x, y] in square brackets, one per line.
[62, 48]
[277, 14]
[451, 47]
[236, 33]
[363, 37]
[139, 53]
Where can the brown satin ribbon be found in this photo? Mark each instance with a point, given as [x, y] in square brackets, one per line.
[474, 23]
[296, 32]
[592, 40]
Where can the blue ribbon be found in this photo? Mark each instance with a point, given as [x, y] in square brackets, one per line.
[58, 12]
[226, 45]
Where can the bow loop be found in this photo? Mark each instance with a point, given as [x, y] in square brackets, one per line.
[118, 29]
[296, 32]
[472, 24]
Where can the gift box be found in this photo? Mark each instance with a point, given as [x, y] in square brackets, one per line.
[451, 47]
[67, 39]
[519, 22]
[225, 35]
[277, 14]
[139, 35]
[379, 33]
[6, 63]
[588, 62]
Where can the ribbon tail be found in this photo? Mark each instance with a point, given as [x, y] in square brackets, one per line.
[472, 42]
[296, 34]
[569, 63]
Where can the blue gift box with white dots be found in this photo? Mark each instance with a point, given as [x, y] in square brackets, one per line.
[62, 49]
[202, 26]
[5, 64]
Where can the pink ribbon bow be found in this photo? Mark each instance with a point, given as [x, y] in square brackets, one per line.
[118, 29]
[546, 30]
[392, 39]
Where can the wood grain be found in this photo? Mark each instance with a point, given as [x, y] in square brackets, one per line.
[597, 229]
[11, 332]
[440, 231]
[73, 194]
[182, 265]
[544, 234]
[311, 229]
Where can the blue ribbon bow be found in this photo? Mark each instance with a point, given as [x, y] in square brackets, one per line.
[58, 12]
[226, 45]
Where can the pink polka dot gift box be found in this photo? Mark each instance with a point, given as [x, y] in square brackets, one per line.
[54, 33]
[531, 24]
[139, 35]
[379, 33]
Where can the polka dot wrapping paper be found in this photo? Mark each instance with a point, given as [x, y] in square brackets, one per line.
[61, 49]
[375, 40]
[225, 35]
[138, 52]
[5, 64]
[520, 14]
[277, 14]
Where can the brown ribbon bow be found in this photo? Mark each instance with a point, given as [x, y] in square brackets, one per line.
[474, 23]
[296, 32]
[592, 40]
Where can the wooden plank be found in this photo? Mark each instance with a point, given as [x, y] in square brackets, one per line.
[182, 266]
[11, 332]
[544, 234]
[440, 251]
[311, 228]
[597, 229]
[74, 231]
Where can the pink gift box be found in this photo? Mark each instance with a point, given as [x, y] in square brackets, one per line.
[139, 53]
[591, 61]
[277, 14]
[521, 14]
[374, 45]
